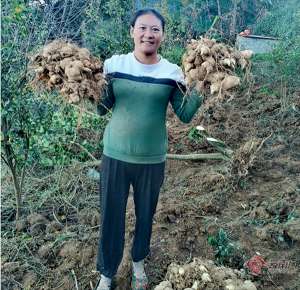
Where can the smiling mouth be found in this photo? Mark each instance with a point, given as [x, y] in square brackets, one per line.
[148, 42]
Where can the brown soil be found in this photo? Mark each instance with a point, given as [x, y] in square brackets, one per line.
[254, 199]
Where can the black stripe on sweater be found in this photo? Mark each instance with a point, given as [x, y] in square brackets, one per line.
[144, 79]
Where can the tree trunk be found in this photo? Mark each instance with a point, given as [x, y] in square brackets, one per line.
[234, 17]
[17, 195]
[220, 16]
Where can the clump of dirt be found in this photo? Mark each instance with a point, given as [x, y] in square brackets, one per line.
[204, 274]
[37, 223]
[54, 227]
[70, 250]
[72, 70]
[36, 218]
[89, 217]
[46, 250]
[29, 279]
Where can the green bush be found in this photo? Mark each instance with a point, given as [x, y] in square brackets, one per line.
[282, 65]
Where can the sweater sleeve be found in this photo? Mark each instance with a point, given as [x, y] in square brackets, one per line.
[184, 105]
[108, 98]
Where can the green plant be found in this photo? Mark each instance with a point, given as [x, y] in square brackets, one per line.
[106, 27]
[196, 136]
[282, 65]
[226, 251]
[35, 129]
[19, 113]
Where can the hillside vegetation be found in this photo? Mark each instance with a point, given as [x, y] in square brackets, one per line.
[211, 213]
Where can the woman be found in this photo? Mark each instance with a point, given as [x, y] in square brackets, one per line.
[141, 84]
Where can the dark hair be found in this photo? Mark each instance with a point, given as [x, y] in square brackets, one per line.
[146, 11]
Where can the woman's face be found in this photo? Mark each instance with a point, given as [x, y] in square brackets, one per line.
[147, 34]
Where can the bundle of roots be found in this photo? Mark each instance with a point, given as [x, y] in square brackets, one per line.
[210, 67]
[204, 274]
[72, 70]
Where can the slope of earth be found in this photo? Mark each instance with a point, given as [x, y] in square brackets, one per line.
[54, 246]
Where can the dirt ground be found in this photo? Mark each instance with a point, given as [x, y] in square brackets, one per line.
[254, 200]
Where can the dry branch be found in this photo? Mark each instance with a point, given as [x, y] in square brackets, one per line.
[193, 156]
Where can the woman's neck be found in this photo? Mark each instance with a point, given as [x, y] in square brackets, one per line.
[146, 59]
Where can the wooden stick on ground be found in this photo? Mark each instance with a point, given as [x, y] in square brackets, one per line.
[198, 156]
[194, 156]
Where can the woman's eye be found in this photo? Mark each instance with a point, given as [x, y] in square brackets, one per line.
[142, 28]
[155, 29]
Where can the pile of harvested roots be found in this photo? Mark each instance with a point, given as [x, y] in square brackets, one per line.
[72, 70]
[210, 66]
[204, 274]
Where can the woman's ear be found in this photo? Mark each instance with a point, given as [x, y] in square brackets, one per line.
[131, 31]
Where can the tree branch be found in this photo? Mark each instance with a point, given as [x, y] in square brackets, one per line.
[84, 150]
[198, 156]
[3, 158]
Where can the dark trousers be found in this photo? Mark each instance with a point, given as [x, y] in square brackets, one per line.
[115, 180]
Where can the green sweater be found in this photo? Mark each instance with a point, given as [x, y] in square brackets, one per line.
[139, 95]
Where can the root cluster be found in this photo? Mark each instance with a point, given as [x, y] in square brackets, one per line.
[72, 70]
[203, 274]
[244, 157]
[210, 66]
